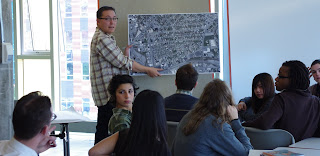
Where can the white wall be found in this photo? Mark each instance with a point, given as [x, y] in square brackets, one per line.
[265, 33]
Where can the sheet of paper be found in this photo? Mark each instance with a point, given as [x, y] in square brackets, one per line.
[69, 116]
[305, 152]
[257, 152]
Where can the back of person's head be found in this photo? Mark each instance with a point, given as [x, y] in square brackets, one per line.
[31, 113]
[115, 82]
[186, 77]
[148, 130]
[102, 9]
[214, 100]
[315, 62]
[267, 84]
[298, 75]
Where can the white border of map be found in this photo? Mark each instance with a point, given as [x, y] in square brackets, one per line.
[169, 41]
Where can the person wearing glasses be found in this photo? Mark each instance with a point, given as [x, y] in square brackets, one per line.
[31, 122]
[315, 72]
[107, 60]
[295, 109]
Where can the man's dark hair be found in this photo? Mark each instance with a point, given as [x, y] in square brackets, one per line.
[115, 82]
[315, 62]
[298, 75]
[104, 8]
[186, 77]
[31, 113]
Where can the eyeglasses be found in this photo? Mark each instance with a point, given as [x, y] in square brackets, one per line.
[54, 116]
[108, 19]
[282, 77]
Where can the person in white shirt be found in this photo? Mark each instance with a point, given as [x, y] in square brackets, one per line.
[31, 121]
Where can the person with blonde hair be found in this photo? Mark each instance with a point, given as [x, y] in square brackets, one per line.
[212, 127]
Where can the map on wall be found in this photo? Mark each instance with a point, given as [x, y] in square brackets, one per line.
[169, 41]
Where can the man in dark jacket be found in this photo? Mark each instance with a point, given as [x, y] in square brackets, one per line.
[178, 104]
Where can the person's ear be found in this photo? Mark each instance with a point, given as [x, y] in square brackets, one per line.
[195, 84]
[98, 21]
[45, 130]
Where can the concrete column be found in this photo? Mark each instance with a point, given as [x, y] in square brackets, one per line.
[6, 101]
[6, 74]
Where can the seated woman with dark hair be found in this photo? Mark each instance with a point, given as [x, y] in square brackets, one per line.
[315, 72]
[147, 135]
[262, 95]
[212, 126]
[294, 109]
[122, 90]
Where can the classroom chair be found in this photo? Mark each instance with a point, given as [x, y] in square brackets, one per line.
[269, 139]
[175, 114]
[172, 128]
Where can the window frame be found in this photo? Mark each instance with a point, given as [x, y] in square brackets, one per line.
[37, 54]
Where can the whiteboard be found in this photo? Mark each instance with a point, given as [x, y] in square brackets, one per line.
[264, 34]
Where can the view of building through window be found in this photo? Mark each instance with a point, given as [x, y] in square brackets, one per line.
[77, 21]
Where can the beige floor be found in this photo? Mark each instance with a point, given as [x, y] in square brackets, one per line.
[80, 143]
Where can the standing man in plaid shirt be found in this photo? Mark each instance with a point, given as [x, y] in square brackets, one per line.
[107, 60]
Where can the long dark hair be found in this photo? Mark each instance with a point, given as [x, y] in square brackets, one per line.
[267, 84]
[147, 135]
[214, 100]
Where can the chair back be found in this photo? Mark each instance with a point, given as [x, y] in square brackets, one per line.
[175, 114]
[172, 128]
[269, 139]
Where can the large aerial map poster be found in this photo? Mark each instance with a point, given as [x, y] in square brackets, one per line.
[169, 41]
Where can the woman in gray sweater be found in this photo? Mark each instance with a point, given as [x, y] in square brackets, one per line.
[212, 127]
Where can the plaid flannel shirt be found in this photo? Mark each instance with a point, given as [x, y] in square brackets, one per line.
[106, 60]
